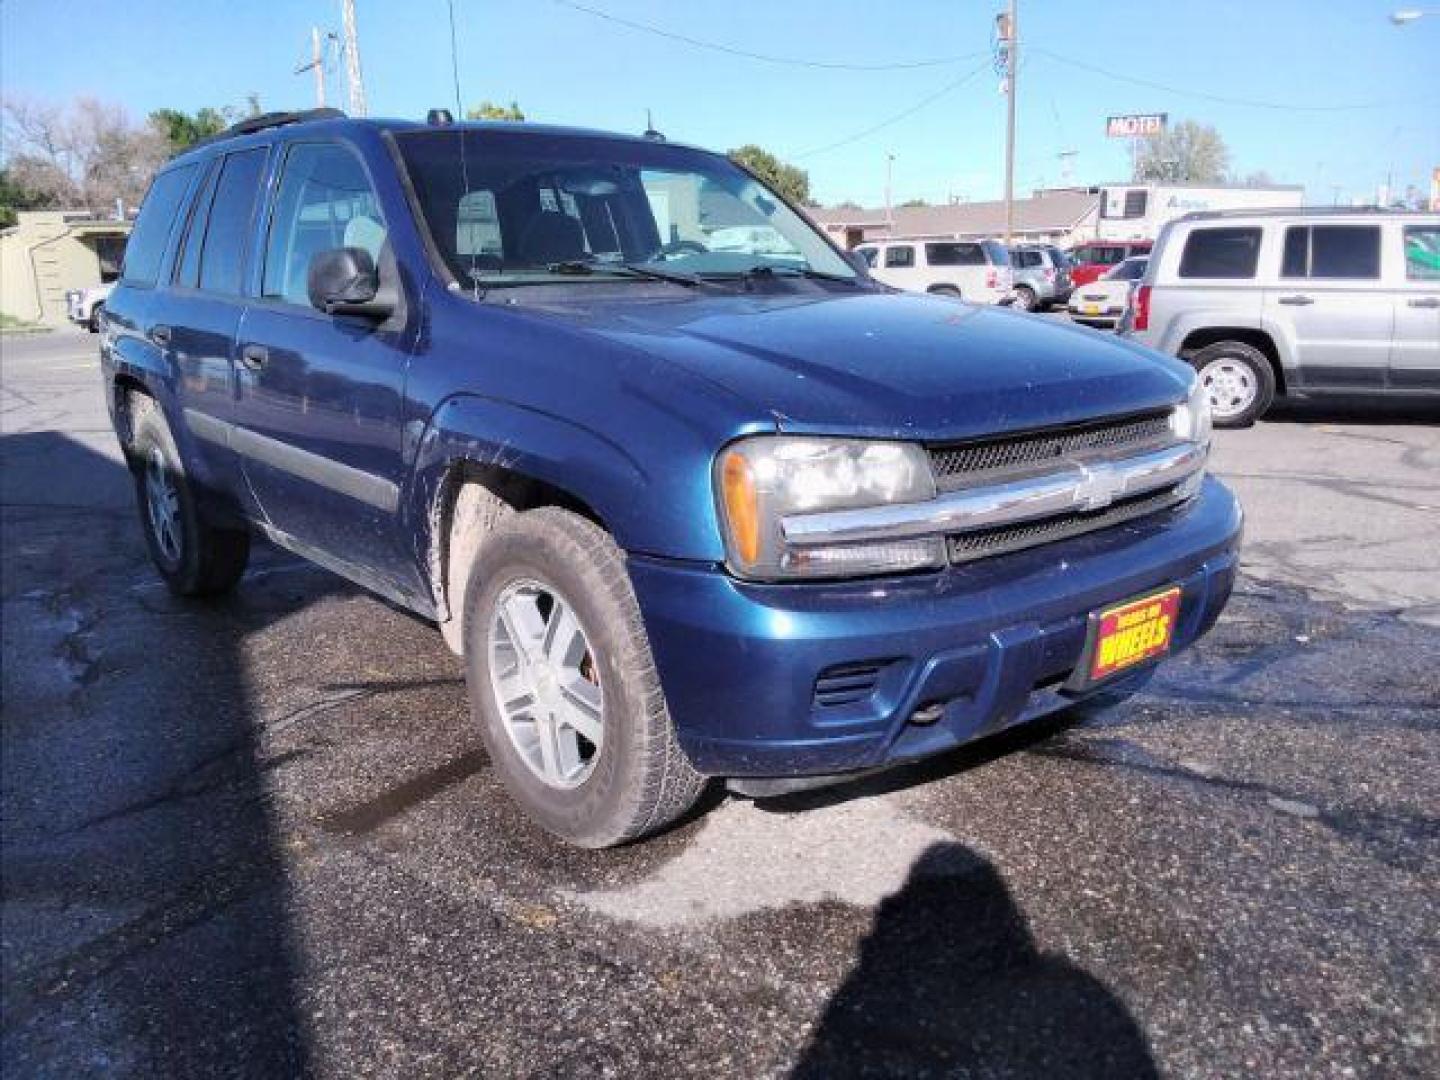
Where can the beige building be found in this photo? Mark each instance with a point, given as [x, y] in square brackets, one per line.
[48, 252]
[1062, 216]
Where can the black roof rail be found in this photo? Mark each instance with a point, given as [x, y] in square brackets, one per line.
[265, 121]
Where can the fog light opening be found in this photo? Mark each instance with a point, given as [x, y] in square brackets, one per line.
[927, 714]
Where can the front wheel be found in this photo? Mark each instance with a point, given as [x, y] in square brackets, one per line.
[1025, 298]
[563, 685]
[1238, 379]
[194, 557]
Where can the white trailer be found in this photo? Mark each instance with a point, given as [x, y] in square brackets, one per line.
[1139, 211]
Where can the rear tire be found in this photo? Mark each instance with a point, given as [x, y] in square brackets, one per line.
[96, 314]
[1025, 298]
[1239, 380]
[563, 685]
[945, 290]
[194, 557]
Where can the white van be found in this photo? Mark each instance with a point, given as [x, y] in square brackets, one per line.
[975, 270]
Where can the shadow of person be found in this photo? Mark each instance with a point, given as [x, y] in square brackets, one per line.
[949, 983]
[148, 916]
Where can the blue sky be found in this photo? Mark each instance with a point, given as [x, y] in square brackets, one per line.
[566, 66]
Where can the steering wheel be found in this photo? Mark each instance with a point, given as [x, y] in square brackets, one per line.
[684, 247]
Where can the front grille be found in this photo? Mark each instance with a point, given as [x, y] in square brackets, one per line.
[845, 684]
[966, 547]
[964, 464]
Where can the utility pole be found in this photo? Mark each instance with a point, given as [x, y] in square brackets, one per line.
[1010, 33]
[352, 59]
[317, 65]
[889, 211]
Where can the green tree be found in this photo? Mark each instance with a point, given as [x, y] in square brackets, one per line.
[914, 202]
[790, 181]
[182, 129]
[488, 110]
[1189, 152]
[15, 196]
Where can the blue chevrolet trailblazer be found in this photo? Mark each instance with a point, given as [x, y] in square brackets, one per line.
[691, 493]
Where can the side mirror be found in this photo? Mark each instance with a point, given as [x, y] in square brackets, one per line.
[344, 281]
[855, 259]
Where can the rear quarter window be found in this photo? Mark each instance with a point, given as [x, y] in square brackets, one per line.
[955, 254]
[151, 235]
[1229, 253]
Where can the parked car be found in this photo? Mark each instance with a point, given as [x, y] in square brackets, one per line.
[85, 307]
[974, 270]
[1089, 261]
[1042, 276]
[1103, 302]
[684, 512]
[1287, 303]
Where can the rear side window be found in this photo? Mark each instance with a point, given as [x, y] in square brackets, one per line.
[1422, 252]
[325, 201]
[152, 230]
[899, 256]
[187, 273]
[1220, 253]
[955, 254]
[1026, 258]
[231, 215]
[1332, 251]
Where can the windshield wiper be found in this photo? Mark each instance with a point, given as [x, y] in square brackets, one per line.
[767, 270]
[582, 267]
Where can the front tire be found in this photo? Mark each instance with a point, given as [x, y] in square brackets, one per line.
[1025, 298]
[1238, 379]
[194, 557]
[563, 685]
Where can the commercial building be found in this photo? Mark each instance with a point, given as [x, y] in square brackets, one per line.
[48, 252]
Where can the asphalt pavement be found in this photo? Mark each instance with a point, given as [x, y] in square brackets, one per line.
[260, 837]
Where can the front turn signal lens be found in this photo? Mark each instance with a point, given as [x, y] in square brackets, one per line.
[742, 506]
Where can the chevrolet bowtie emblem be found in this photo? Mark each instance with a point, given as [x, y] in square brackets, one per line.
[1098, 487]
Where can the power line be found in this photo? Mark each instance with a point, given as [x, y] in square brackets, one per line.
[715, 46]
[1203, 95]
[947, 88]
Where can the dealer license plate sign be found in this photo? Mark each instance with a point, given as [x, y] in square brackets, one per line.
[1133, 632]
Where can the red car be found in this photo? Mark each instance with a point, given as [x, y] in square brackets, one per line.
[1090, 260]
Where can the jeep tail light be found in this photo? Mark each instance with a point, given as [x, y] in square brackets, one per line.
[992, 279]
[1141, 318]
[1049, 273]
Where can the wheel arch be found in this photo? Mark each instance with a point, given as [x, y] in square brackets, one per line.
[1256, 337]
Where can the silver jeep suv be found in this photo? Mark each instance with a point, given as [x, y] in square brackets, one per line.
[1294, 303]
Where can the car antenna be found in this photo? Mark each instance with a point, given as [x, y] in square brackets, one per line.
[473, 271]
[650, 132]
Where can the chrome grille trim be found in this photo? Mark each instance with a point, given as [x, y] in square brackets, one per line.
[1072, 487]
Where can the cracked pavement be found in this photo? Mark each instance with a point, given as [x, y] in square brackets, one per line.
[259, 837]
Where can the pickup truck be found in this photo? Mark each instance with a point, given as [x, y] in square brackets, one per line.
[691, 494]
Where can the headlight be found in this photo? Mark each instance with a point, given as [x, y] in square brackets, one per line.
[1191, 419]
[760, 480]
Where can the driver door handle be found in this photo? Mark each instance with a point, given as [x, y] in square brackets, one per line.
[1297, 301]
[254, 357]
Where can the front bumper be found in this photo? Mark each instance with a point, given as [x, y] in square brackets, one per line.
[977, 647]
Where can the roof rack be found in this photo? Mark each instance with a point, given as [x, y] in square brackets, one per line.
[265, 121]
[1291, 211]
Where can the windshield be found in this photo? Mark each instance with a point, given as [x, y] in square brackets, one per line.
[1129, 270]
[533, 208]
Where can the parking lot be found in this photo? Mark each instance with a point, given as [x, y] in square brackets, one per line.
[260, 836]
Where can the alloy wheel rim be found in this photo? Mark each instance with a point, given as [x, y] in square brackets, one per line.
[1230, 385]
[162, 502]
[546, 683]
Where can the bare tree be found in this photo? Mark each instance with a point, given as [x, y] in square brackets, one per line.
[86, 156]
[1186, 153]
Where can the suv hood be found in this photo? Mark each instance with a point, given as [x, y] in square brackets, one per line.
[889, 364]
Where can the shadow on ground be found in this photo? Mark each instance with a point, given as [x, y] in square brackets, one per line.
[145, 902]
[949, 982]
